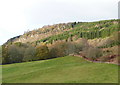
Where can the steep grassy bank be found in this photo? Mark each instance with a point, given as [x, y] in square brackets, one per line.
[69, 69]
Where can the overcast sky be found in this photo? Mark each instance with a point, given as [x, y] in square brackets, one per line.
[17, 16]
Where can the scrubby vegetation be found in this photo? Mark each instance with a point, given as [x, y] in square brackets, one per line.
[91, 40]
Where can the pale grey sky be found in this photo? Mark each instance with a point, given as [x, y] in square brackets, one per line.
[17, 16]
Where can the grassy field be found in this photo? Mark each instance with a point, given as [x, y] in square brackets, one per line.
[69, 69]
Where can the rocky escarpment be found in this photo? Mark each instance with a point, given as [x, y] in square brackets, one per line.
[43, 32]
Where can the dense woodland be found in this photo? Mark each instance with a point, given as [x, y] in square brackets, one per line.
[96, 41]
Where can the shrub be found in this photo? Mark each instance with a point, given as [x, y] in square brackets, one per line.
[80, 44]
[117, 60]
[104, 59]
[92, 53]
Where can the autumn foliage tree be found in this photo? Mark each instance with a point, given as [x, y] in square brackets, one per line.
[42, 52]
[61, 48]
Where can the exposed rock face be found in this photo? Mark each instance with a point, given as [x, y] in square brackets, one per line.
[43, 32]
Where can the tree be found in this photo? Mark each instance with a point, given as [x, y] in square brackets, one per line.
[42, 52]
[29, 54]
[60, 49]
[15, 54]
[4, 54]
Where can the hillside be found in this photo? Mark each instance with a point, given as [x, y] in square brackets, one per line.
[95, 41]
[75, 52]
[73, 30]
[44, 32]
[69, 69]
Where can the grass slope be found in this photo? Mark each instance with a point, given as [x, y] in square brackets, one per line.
[67, 69]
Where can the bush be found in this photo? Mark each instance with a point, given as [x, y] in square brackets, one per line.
[92, 53]
[104, 59]
[117, 60]
[80, 44]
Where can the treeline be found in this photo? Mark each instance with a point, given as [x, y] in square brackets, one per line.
[82, 33]
[21, 52]
[25, 52]
[86, 30]
[62, 26]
